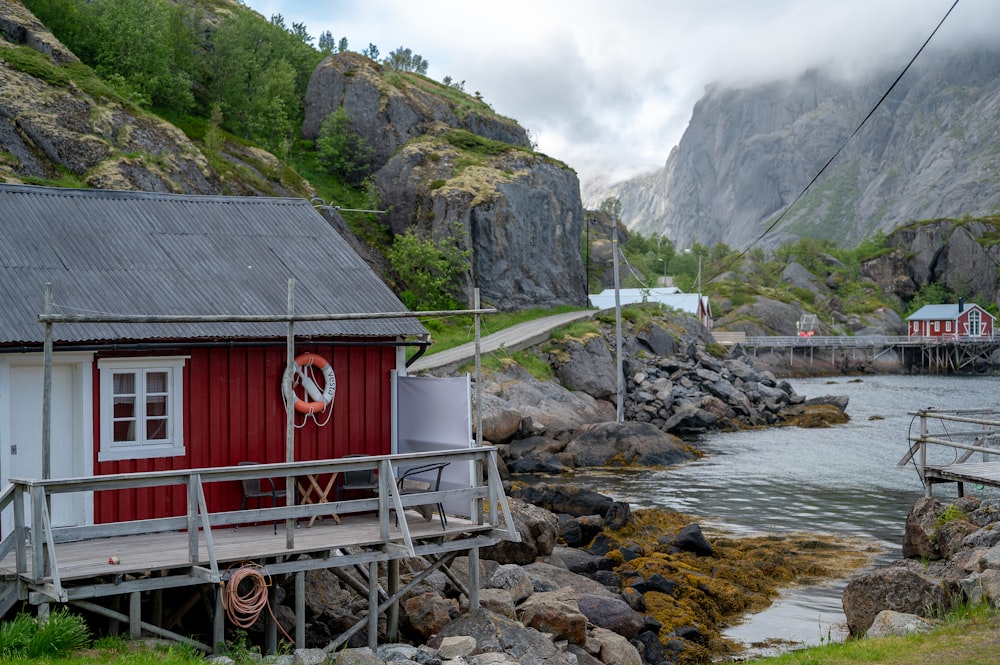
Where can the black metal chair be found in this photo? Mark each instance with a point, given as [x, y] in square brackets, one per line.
[363, 480]
[260, 488]
[433, 486]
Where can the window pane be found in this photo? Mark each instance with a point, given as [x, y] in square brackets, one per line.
[156, 383]
[124, 383]
[124, 431]
[124, 407]
[156, 406]
[156, 429]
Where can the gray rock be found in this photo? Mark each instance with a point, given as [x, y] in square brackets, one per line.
[587, 367]
[456, 646]
[628, 443]
[498, 634]
[512, 579]
[895, 588]
[565, 499]
[920, 538]
[538, 530]
[310, 656]
[611, 613]
[889, 623]
[547, 576]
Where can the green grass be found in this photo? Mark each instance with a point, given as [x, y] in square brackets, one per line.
[452, 331]
[969, 636]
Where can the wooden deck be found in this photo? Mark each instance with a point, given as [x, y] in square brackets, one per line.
[962, 435]
[78, 564]
[137, 555]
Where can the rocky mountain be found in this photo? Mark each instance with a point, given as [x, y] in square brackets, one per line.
[442, 160]
[929, 151]
[448, 169]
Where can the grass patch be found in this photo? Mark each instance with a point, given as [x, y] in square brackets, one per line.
[964, 638]
[453, 331]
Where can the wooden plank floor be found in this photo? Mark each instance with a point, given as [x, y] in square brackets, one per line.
[981, 473]
[161, 551]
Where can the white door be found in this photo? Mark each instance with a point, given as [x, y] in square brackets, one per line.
[71, 432]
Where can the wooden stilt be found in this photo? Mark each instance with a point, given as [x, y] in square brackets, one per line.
[392, 615]
[373, 605]
[474, 578]
[134, 615]
[300, 610]
[219, 622]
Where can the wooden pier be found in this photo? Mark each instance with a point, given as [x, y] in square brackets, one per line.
[955, 447]
[96, 567]
[934, 354]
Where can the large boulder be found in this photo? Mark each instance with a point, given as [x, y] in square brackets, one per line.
[565, 499]
[555, 612]
[611, 613]
[549, 406]
[586, 366]
[498, 634]
[538, 529]
[920, 538]
[627, 444]
[897, 588]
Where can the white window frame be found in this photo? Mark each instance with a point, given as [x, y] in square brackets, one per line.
[173, 444]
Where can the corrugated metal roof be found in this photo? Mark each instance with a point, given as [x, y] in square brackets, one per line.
[148, 253]
[943, 312]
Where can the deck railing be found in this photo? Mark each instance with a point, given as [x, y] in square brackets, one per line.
[34, 539]
[941, 452]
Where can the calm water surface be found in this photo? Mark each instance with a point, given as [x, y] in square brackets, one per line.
[840, 480]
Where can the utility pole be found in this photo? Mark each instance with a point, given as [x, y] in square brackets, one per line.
[618, 328]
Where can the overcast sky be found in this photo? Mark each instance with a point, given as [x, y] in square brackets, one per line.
[608, 86]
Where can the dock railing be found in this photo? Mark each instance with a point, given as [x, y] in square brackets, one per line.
[946, 445]
[33, 538]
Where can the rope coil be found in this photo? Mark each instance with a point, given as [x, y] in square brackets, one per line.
[243, 609]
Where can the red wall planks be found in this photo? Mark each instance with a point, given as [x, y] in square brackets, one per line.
[234, 412]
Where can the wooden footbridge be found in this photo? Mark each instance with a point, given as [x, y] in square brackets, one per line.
[955, 447]
[97, 567]
[934, 354]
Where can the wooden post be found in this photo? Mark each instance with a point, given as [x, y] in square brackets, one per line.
[392, 615]
[373, 605]
[290, 416]
[47, 390]
[474, 578]
[270, 627]
[134, 615]
[219, 622]
[300, 609]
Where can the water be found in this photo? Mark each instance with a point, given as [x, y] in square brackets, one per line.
[841, 480]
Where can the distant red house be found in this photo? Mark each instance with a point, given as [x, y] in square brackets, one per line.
[951, 321]
[134, 397]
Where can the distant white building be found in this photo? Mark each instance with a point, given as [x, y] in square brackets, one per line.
[668, 297]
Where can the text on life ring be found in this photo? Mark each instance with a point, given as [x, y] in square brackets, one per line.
[304, 376]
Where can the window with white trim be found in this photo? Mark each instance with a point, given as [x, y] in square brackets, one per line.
[947, 326]
[142, 403]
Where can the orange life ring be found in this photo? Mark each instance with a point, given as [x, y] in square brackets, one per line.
[301, 376]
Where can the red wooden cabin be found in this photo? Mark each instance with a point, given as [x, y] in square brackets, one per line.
[143, 397]
[951, 321]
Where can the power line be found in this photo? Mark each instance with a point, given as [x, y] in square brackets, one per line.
[843, 145]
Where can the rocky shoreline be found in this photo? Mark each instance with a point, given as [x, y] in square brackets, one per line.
[592, 581]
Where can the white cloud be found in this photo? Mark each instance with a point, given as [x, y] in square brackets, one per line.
[608, 88]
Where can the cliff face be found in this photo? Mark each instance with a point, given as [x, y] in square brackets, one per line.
[963, 256]
[519, 212]
[930, 151]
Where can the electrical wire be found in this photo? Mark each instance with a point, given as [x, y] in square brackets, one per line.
[843, 145]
